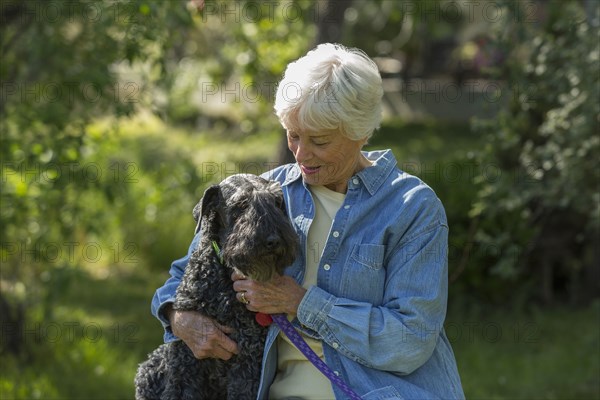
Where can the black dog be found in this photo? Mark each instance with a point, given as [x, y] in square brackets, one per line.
[243, 218]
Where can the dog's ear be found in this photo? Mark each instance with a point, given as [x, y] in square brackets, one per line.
[275, 188]
[209, 201]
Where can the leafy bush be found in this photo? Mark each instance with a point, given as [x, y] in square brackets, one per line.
[540, 211]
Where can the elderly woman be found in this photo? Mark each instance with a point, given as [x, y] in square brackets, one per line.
[369, 290]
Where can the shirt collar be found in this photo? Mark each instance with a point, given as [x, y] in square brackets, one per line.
[383, 162]
[293, 174]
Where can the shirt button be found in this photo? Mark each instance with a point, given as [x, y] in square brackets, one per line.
[355, 181]
[336, 234]
[335, 345]
[337, 373]
[346, 207]
[326, 267]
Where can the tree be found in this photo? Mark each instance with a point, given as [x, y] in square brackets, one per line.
[540, 207]
[59, 70]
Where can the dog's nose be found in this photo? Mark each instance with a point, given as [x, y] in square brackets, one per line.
[273, 241]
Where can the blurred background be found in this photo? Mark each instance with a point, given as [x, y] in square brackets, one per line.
[115, 115]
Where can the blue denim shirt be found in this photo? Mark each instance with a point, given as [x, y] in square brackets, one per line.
[380, 300]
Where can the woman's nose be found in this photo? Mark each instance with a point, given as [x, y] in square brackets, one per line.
[302, 153]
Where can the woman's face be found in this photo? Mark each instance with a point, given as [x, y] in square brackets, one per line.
[327, 158]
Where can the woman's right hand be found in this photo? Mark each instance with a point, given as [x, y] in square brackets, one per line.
[204, 336]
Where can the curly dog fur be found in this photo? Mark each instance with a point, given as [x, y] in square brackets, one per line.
[245, 215]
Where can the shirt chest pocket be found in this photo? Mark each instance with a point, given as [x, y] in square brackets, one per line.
[363, 277]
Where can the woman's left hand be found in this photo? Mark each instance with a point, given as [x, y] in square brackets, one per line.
[279, 295]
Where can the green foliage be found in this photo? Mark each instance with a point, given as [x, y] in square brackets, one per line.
[540, 207]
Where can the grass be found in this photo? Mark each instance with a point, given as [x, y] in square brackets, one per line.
[546, 354]
[89, 347]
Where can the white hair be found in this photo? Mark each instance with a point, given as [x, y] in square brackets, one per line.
[331, 87]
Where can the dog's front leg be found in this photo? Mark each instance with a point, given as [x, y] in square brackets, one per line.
[183, 378]
[243, 378]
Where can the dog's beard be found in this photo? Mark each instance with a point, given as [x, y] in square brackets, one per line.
[260, 264]
[260, 270]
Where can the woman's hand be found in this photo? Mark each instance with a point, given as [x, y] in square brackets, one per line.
[204, 336]
[280, 295]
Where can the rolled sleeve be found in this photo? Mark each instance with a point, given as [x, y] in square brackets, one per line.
[315, 308]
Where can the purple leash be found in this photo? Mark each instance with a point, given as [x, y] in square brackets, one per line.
[289, 330]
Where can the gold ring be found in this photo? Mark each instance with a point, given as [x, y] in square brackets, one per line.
[243, 298]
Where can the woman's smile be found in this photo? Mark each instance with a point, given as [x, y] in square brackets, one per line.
[309, 170]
